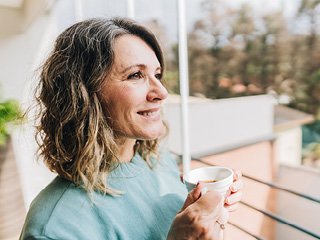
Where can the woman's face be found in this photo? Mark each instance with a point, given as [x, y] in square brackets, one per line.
[133, 92]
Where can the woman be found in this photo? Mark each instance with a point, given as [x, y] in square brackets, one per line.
[100, 94]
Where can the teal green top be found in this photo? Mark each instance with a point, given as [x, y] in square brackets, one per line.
[151, 199]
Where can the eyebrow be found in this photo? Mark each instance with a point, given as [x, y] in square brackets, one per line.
[141, 65]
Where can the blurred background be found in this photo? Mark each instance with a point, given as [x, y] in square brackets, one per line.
[254, 105]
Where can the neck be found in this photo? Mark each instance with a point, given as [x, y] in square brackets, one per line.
[126, 149]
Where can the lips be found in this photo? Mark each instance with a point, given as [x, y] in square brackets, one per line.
[150, 113]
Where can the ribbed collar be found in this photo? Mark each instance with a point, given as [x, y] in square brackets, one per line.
[129, 169]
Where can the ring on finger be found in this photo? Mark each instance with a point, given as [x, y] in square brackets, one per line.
[222, 226]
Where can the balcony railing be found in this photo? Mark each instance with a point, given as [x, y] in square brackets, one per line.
[269, 227]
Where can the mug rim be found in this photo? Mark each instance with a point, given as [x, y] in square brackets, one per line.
[226, 179]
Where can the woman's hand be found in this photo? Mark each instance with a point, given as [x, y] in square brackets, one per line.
[234, 193]
[201, 217]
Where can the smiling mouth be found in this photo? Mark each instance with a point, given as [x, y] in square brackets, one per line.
[149, 113]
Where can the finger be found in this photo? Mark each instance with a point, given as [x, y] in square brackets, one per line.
[193, 196]
[232, 208]
[198, 190]
[228, 193]
[216, 226]
[237, 174]
[219, 225]
[236, 186]
[233, 198]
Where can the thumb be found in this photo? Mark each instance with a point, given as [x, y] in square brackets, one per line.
[193, 196]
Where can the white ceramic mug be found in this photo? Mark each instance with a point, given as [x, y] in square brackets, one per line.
[213, 178]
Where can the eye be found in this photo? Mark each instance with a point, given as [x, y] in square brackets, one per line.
[158, 76]
[135, 76]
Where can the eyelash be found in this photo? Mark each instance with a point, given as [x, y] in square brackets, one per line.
[159, 76]
[136, 75]
[139, 75]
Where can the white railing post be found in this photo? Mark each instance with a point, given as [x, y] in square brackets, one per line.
[78, 10]
[130, 9]
[184, 84]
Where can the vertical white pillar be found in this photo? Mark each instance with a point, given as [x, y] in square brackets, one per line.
[130, 9]
[184, 84]
[78, 10]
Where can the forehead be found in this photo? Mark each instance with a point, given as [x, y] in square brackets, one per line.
[130, 50]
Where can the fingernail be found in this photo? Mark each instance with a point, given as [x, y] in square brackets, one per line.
[233, 188]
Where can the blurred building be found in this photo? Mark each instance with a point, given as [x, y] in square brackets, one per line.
[263, 140]
[248, 133]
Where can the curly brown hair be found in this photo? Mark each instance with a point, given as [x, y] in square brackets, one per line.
[74, 137]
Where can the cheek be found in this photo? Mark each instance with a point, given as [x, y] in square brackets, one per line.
[130, 96]
[123, 103]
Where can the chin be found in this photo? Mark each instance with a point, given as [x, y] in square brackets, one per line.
[154, 134]
[151, 137]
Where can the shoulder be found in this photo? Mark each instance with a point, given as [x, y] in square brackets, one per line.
[57, 210]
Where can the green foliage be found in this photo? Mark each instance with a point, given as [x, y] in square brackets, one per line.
[311, 133]
[10, 113]
[235, 52]
[171, 81]
[311, 141]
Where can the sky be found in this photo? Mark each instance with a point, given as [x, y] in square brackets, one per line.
[166, 11]
[288, 6]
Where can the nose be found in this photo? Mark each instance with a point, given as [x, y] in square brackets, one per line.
[157, 92]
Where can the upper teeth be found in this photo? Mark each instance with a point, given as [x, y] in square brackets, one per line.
[148, 113]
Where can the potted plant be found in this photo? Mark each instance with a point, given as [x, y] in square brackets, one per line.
[10, 113]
